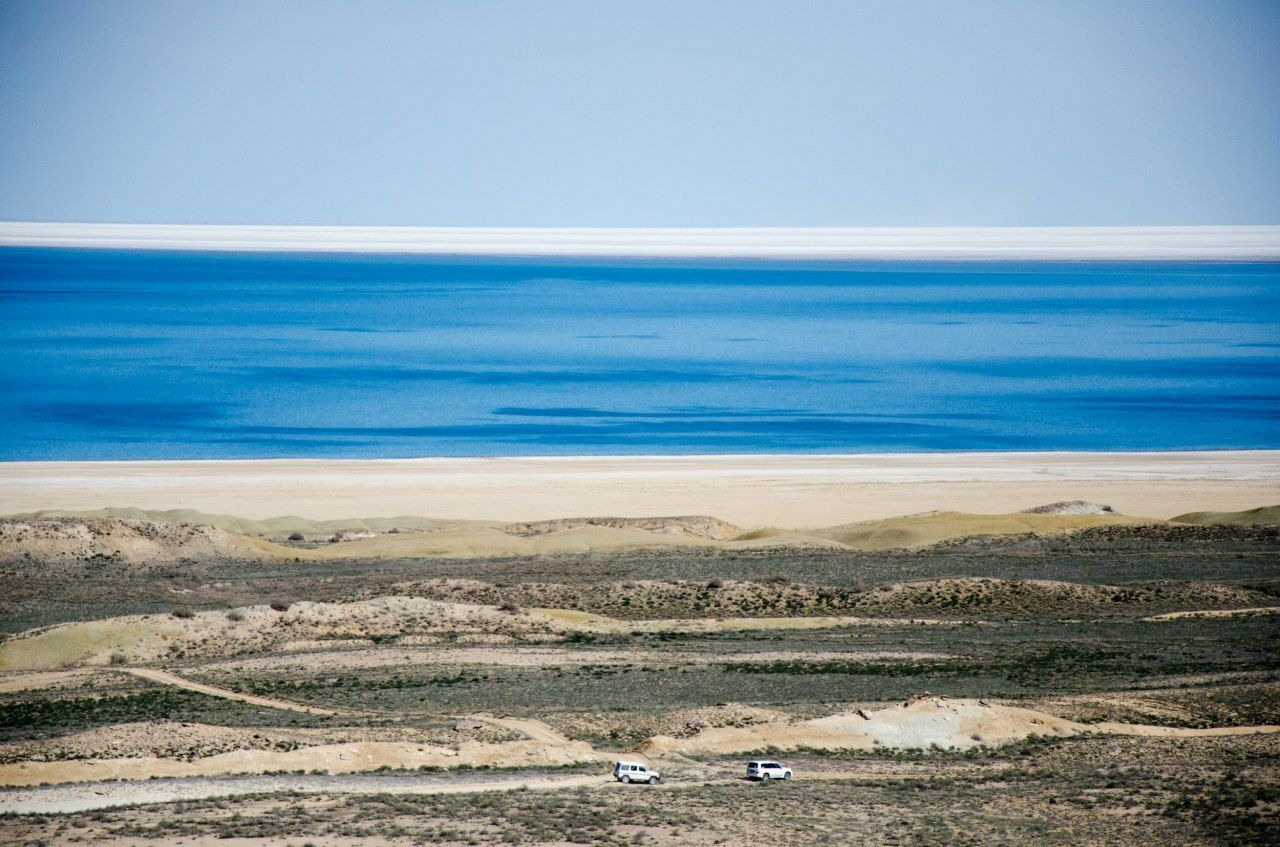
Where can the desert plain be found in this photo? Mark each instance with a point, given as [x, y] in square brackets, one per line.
[946, 649]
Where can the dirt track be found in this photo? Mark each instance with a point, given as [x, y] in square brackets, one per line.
[1181, 732]
[532, 729]
[535, 730]
[79, 797]
[166, 678]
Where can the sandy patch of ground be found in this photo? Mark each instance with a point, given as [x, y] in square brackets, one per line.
[534, 729]
[1215, 613]
[168, 739]
[77, 798]
[11, 683]
[331, 758]
[1110, 728]
[588, 622]
[918, 724]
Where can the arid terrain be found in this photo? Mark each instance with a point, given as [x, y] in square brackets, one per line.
[1060, 674]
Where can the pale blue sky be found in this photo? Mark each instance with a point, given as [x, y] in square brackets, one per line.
[641, 114]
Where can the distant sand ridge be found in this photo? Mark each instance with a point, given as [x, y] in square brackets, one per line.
[138, 536]
[131, 535]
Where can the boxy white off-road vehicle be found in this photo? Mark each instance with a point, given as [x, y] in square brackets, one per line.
[766, 769]
[635, 772]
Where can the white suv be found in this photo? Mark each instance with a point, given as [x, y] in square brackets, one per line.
[635, 772]
[765, 770]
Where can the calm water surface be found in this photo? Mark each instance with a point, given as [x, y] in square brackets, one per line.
[139, 355]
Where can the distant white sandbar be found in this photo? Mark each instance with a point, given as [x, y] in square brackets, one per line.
[749, 490]
[1191, 243]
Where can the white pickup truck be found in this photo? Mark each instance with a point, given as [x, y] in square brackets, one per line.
[766, 769]
[635, 772]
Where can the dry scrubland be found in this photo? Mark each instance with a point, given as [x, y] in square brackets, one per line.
[1096, 679]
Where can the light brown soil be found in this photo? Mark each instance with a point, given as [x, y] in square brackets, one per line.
[1215, 613]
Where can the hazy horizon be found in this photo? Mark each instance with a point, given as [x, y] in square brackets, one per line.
[945, 244]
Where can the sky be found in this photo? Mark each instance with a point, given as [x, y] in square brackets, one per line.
[650, 113]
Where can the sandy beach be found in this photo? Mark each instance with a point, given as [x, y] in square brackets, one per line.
[791, 491]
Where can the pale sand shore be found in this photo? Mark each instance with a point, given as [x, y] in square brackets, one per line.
[789, 491]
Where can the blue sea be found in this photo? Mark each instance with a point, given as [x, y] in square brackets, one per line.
[151, 355]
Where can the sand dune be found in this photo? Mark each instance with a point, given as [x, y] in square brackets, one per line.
[921, 530]
[1248, 517]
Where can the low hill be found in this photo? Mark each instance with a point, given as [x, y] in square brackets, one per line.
[141, 536]
[921, 723]
[911, 531]
[1261, 516]
[58, 542]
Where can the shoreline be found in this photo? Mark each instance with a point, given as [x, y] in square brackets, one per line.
[790, 490]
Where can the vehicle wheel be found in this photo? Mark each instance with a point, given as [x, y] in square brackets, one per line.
[626, 778]
[653, 780]
[764, 777]
[787, 775]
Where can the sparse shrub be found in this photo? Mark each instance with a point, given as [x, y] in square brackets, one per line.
[715, 584]
[183, 613]
[235, 617]
[280, 605]
[509, 607]
[118, 659]
[295, 536]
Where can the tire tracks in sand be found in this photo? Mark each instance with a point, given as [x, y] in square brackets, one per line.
[535, 730]
[83, 797]
[167, 678]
